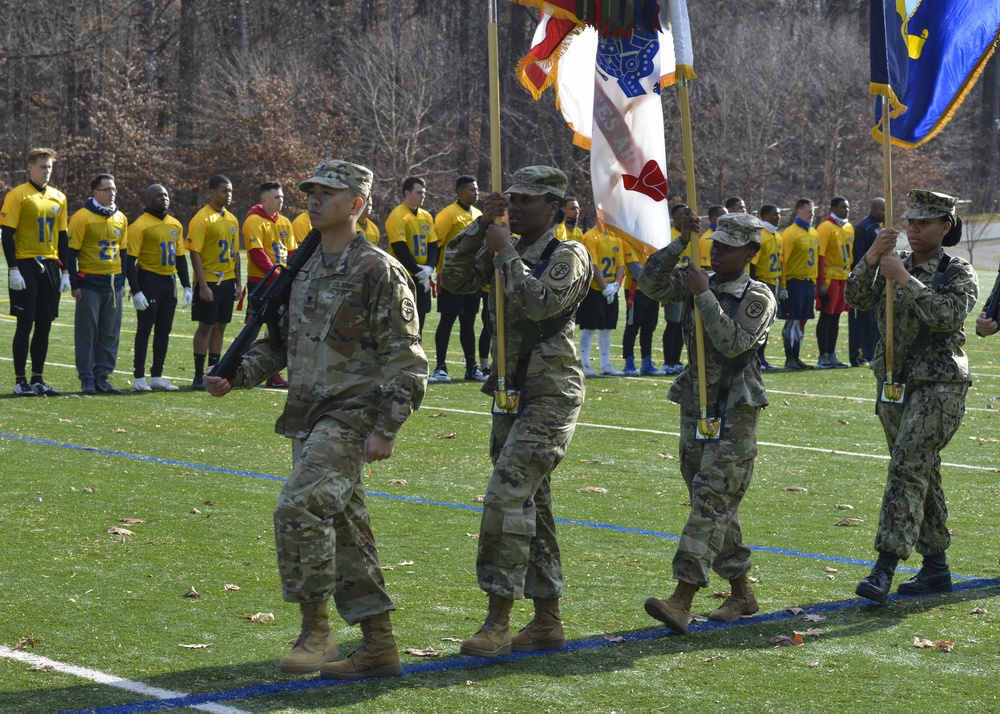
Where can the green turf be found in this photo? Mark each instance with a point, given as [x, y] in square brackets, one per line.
[115, 604]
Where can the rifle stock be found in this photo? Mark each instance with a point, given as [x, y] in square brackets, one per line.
[268, 304]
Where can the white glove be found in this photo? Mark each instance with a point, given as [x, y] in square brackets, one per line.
[618, 286]
[425, 283]
[139, 302]
[188, 296]
[64, 283]
[782, 294]
[424, 273]
[15, 280]
[609, 292]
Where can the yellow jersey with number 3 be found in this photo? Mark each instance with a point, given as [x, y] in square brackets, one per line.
[37, 218]
[215, 235]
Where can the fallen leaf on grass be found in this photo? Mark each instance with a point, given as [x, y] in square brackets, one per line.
[808, 633]
[795, 611]
[721, 594]
[843, 506]
[40, 668]
[194, 647]
[194, 511]
[259, 617]
[65, 421]
[388, 567]
[480, 499]
[115, 530]
[814, 618]
[191, 592]
[830, 577]
[592, 489]
[613, 638]
[849, 522]
[451, 639]
[90, 489]
[210, 503]
[399, 481]
[668, 457]
[795, 488]
[814, 665]
[119, 430]
[406, 562]
[699, 618]
[74, 489]
[786, 402]
[133, 521]
[471, 683]
[426, 652]
[438, 415]
[828, 569]
[452, 435]
[946, 645]
[229, 586]
[843, 421]
[472, 535]
[26, 642]
[752, 579]
[686, 502]
[785, 641]
[978, 611]
[596, 462]
[713, 658]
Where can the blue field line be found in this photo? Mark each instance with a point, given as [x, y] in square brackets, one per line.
[460, 506]
[453, 663]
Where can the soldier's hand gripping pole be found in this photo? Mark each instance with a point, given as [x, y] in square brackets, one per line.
[891, 391]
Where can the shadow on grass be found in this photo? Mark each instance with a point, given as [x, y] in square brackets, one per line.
[580, 658]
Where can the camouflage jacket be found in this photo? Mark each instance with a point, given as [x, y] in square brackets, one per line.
[928, 326]
[352, 345]
[531, 306]
[729, 341]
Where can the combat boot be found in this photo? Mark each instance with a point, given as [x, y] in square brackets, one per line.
[544, 632]
[315, 644]
[876, 585]
[675, 611]
[934, 577]
[493, 638]
[741, 601]
[377, 656]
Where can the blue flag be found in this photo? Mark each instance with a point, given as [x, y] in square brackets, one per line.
[926, 56]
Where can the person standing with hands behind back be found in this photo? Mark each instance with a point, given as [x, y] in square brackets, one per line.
[934, 293]
[356, 372]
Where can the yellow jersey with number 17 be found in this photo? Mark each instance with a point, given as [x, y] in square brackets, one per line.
[156, 243]
[37, 218]
[215, 235]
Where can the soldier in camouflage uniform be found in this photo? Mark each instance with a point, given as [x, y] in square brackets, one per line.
[544, 281]
[736, 312]
[986, 325]
[356, 371]
[934, 293]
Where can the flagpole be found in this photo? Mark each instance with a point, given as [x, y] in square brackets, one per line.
[891, 392]
[707, 428]
[496, 180]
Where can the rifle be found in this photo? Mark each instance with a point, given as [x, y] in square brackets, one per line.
[993, 306]
[268, 304]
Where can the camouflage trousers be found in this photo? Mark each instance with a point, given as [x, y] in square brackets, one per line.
[914, 513]
[518, 552]
[717, 474]
[324, 540]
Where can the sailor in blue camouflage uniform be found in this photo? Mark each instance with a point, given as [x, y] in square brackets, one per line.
[736, 312]
[934, 294]
[356, 372]
[543, 281]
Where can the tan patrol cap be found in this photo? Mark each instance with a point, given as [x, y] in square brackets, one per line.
[341, 174]
[538, 181]
[737, 229]
[928, 204]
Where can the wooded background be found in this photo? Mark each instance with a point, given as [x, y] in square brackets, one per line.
[175, 91]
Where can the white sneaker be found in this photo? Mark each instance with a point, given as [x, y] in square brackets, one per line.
[140, 385]
[160, 384]
[588, 371]
[609, 370]
[440, 376]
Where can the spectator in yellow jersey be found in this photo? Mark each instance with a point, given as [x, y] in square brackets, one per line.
[799, 253]
[413, 242]
[705, 241]
[766, 265]
[213, 243]
[34, 221]
[568, 220]
[270, 240]
[447, 224]
[155, 260]
[301, 226]
[836, 241]
[735, 204]
[599, 310]
[368, 226]
[97, 241]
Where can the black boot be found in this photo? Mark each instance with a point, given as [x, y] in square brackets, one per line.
[934, 577]
[876, 585]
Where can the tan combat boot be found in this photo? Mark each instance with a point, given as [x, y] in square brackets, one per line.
[741, 601]
[493, 638]
[376, 657]
[544, 632]
[315, 644]
[675, 611]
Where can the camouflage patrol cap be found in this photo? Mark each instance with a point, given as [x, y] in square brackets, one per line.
[737, 229]
[341, 174]
[538, 181]
[928, 204]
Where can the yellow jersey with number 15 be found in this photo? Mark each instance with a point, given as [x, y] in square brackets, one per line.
[415, 228]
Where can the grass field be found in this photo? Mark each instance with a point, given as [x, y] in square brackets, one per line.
[204, 474]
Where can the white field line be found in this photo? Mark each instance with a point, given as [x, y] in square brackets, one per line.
[797, 447]
[111, 680]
